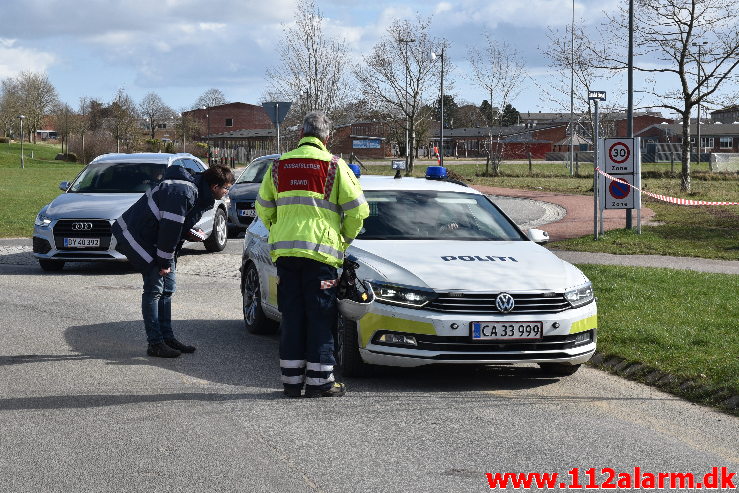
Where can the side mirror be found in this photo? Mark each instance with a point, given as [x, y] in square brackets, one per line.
[64, 186]
[538, 236]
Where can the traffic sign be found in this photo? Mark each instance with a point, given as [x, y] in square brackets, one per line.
[618, 195]
[618, 190]
[619, 158]
[597, 95]
[277, 110]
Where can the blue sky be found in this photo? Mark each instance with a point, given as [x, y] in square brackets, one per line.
[180, 48]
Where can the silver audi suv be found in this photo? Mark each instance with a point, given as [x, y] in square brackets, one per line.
[75, 226]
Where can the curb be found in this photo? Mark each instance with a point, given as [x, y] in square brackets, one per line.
[717, 397]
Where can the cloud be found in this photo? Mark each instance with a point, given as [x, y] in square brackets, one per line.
[15, 59]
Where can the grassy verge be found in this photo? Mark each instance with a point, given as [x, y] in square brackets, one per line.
[25, 191]
[687, 330]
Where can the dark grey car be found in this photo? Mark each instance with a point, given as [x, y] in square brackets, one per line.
[244, 192]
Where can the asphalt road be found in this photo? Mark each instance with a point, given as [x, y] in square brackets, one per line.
[82, 408]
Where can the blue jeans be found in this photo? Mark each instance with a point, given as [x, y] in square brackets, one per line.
[156, 304]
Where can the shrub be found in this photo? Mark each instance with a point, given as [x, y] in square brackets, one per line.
[4, 140]
[153, 145]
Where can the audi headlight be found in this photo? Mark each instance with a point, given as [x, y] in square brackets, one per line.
[42, 221]
[395, 294]
[581, 295]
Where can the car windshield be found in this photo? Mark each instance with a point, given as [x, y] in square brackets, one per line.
[255, 171]
[431, 215]
[112, 177]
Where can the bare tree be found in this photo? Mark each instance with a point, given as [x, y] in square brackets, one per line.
[382, 74]
[9, 105]
[153, 109]
[37, 98]
[673, 33]
[578, 69]
[123, 122]
[211, 97]
[187, 127]
[498, 69]
[312, 68]
[63, 116]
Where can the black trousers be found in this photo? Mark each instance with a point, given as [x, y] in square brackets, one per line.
[306, 294]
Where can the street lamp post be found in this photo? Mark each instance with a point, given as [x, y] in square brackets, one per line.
[441, 103]
[405, 107]
[21, 118]
[698, 121]
[572, 92]
[184, 126]
[207, 139]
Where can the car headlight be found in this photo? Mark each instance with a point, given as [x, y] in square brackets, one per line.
[581, 295]
[395, 294]
[42, 221]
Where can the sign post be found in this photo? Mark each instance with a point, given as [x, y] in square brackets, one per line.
[623, 161]
[596, 96]
[277, 111]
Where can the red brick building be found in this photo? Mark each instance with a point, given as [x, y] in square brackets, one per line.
[366, 140]
[230, 117]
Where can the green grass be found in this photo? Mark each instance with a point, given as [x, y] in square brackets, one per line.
[680, 322]
[25, 191]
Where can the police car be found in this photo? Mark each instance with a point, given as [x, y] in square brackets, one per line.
[455, 282]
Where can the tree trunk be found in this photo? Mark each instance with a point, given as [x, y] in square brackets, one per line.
[685, 177]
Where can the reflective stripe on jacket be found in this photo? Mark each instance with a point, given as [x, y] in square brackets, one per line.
[312, 204]
[152, 229]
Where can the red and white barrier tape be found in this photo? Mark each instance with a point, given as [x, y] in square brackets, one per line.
[665, 198]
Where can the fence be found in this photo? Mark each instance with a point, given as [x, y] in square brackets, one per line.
[240, 152]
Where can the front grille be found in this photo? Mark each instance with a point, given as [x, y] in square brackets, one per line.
[246, 205]
[98, 228]
[40, 245]
[485, 303]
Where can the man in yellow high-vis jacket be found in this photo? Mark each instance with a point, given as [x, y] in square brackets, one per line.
[313, 206]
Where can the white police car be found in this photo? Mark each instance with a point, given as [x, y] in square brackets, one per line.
[455, 280]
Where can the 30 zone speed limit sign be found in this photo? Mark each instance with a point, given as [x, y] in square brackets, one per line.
[619, 156]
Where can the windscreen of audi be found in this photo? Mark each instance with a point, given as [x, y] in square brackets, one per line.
[457, 282]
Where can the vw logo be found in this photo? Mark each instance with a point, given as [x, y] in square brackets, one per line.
[504, 303]
[82, 226]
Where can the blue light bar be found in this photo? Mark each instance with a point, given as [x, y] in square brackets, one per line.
[436, 173]
[356, 169]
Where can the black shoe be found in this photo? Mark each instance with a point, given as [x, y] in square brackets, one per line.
[175, 344]
[161, 350]
[292, 392]
[336, 390]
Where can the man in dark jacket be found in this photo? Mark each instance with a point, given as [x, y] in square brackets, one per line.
[150, 234]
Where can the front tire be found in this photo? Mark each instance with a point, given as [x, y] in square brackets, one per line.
[255, 321]
[51, 265]
[558, 369]
[216, 242]
[348, 359]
